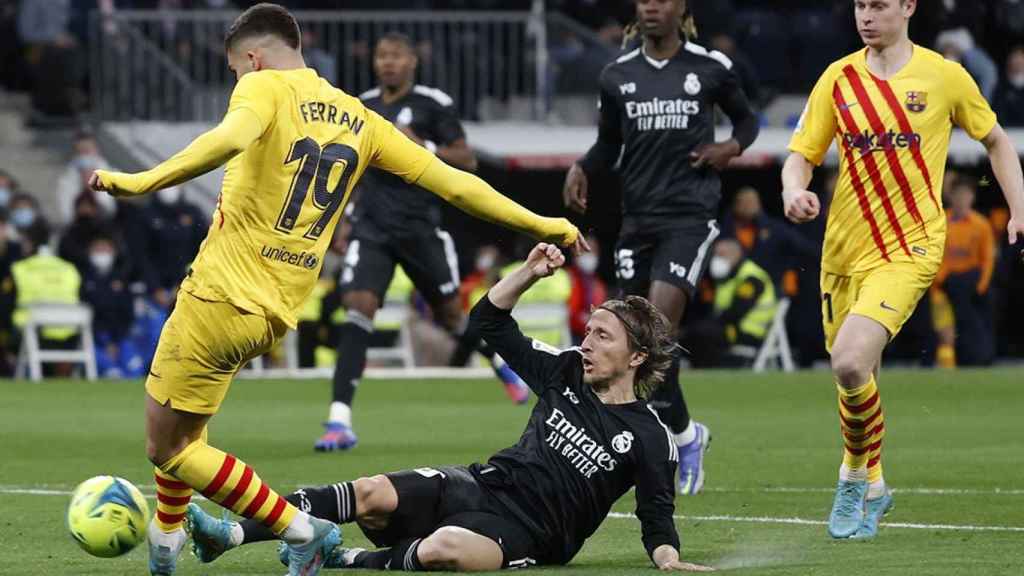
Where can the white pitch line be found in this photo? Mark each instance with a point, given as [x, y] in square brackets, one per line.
[806, 522]
[913, 490]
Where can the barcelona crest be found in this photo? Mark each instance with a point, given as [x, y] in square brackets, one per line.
[916, 101]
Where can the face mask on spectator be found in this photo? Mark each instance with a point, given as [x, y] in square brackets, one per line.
[484, 263]
[5, 196]
[87, 163]
[719, 267]
[102, 261]
[23, 217]
[587, 263]
[1017, 80]
[169, 195]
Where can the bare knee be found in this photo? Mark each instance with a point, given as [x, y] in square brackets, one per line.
[850, 368]
[376, 498]
[455, 548]
[160, 450]
[361, 301]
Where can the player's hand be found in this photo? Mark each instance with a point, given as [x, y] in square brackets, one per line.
[1015, 232]
[544, 259]
[716, 155]
[574, 192]
[109, 182]
[680, 566]
[800, 205]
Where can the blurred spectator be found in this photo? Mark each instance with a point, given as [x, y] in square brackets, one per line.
[8, 187]
[588, 290]
[87, 225]
[741, 65]
[958, 45]
[172, 228]
[24, 215]
[1009, 100]
[317, 58]
[744, 307]
[74, 181]
[10, 252]
[965, 276]
[106, 287]
[44, 29]
[42, 277]
[773, 244]
[486, 271]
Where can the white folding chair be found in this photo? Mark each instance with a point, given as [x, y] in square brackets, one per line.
[775, 348]
[31, 357]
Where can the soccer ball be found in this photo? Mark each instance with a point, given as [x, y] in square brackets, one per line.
[107, 516]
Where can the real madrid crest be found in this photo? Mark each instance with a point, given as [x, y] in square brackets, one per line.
[692, 84]
[622, 442]
[916, 101]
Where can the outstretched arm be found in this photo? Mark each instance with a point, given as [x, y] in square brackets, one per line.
[1006, 166]
[234, 134]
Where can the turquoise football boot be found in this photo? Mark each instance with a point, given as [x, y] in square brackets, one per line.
[847, 508]
[210, 537]
[873, 512]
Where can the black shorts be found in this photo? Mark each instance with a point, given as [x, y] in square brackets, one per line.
[678, 255]
[427, 256]
[431, 498]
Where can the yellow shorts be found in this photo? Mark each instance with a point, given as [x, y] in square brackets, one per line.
[888, 295]
[202, 346]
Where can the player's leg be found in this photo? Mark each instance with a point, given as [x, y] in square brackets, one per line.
[369, 266]
[200, 350]
[677, 265]
[430, 260]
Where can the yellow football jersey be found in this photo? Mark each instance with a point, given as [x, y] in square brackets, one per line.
[282, 197]
[893, 138]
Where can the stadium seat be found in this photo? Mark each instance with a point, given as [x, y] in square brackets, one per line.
[775, 348]
[31, 357]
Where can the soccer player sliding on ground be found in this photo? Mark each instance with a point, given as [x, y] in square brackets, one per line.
[399, 223]
[294, 147]
[658, 110]
[891, 108]
[591, 438]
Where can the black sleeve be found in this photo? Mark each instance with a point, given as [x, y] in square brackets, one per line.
[534, 362]
[733, 101]
[656, 492]
[605, 151]
[746, 297]
[447, 127]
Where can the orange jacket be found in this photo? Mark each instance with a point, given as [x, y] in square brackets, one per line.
[970, 245]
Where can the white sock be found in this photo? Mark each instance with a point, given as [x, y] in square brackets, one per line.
[341, 413]
[173, 540]
[300, 531]
[236, 535]
[876, 489]
[686, 436]
[853, 474]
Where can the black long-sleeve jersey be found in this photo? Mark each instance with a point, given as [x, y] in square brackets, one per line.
[658, 112]
[577, 455]
[386, 199]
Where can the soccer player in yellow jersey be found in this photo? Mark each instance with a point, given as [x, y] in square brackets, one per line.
[294, 147]
[890, 109]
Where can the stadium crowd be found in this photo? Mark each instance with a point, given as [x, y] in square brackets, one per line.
[125, 259]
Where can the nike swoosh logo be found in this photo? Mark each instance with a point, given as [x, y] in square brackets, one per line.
[487, 470]
[154, 374]
[847, 106]
[887, 307]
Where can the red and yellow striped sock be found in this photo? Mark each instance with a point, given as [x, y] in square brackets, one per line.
[863, 427]
[172, 498]
[231, 483]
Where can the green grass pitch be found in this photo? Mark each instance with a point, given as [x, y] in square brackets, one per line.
[954, 446]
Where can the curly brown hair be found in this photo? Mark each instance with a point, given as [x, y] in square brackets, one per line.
[649, 331]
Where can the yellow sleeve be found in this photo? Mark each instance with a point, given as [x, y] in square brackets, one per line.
[256, 92]
[395, 153]
[235, 133]
[817, 127]
[970, 109]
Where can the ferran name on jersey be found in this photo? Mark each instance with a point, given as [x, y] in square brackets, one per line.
[323, 112]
